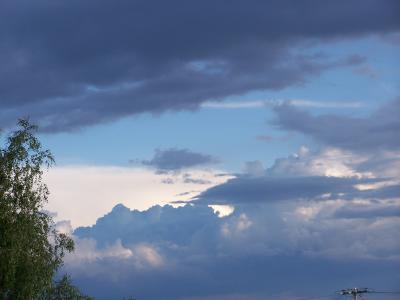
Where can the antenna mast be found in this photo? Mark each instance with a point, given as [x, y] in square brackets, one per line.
[355, 292]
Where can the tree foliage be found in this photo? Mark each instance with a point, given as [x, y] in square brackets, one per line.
[31, 250]
[64, 290]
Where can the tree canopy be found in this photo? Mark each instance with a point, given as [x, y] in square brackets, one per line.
[31, 249]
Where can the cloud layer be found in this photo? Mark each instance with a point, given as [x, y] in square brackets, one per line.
[295, 231]
[70, 64]
[262, 249]
[380, 131]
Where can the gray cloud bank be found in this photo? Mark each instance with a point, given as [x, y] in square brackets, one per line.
[178, 253]
[295, 231]
[75, 63]
[379, 131]
[245, 189]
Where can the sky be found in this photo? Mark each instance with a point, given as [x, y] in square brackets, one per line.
[215, 149]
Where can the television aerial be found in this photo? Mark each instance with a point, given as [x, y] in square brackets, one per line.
[357, 293]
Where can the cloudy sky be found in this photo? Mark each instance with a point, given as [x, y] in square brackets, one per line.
[215, 149]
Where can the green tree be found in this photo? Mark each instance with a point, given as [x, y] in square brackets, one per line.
[31, 250]
[64, 290]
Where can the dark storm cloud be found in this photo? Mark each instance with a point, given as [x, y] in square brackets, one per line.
[74, 63]
[380, 131]
[177, 159]
[206, 255]
[246, 189]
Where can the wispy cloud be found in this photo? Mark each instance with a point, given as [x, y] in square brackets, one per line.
[235, 105]
[277, 102]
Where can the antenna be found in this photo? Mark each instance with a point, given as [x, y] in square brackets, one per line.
[356, 293]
